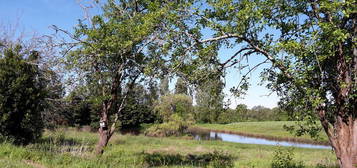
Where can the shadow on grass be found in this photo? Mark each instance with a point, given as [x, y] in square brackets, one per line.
[214, 159]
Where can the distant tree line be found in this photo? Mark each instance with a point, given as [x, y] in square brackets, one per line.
[151, 101]
[155, 104]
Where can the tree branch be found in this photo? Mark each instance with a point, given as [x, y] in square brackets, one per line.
[226, 36]
[256, 48]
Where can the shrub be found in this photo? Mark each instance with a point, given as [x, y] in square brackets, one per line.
[215, 159]
[174, 104]
[22, 96]
[285, 159]
[175, 126]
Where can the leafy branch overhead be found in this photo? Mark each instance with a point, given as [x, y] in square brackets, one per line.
[311, 46]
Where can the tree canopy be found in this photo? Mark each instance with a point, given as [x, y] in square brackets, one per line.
[311, 46]
[113, 51]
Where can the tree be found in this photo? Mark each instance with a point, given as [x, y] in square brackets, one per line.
[152, 92]
[22, 94]
[139, 107]
[80, 108]
[242, 112]
[261, 113]
[181, 87]
[113, 51]
[164, 86]
[178, 104]
[55, 111]
[209, 99]
[310, 45]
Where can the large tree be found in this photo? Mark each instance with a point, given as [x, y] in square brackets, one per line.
[112, 52]
[310, 45]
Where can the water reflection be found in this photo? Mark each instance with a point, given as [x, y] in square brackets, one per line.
[250, 140]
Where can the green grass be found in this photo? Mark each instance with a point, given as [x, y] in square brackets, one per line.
[266, 128]
[69, 148]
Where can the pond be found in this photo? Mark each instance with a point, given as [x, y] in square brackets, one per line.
[250, 140]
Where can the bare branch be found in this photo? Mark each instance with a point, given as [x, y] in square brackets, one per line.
[251, 70]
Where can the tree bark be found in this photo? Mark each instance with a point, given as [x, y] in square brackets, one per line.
[104, 132]
[104, 137]
[343, 139]
[354, 143]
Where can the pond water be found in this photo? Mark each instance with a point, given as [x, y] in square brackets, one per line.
[250, 140]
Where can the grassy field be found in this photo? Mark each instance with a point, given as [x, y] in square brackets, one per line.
[71, 148]
[266, 128]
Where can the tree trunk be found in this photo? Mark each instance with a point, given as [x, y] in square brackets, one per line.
[343, 139]
[104, 137]
[104, 132]
[354, 142]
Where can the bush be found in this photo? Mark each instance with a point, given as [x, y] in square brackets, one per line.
[135, 114]
[22, 96]
[175, 126]
[174, 104]
[215, 159]
[285, 159]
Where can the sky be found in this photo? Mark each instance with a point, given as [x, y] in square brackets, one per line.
[36, 16]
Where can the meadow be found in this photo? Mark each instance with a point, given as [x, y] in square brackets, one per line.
[69, 147]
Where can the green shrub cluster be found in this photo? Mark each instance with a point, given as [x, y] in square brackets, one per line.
[175, 126]
[285, 159]
[215, 159]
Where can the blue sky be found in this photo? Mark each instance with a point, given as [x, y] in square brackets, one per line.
[38, 15]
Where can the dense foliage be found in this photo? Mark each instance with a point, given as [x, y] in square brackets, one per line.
[174, 126]
[22, 95]
[139, 108]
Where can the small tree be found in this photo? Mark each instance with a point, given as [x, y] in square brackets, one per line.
[22, 95]
[115, 50]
